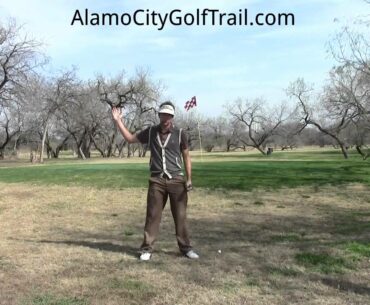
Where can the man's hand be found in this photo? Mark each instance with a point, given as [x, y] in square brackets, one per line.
[116, 113]
[189, 186]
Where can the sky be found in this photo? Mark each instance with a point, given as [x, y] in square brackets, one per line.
[217, 64]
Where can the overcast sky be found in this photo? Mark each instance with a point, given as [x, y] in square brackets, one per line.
[217, 64]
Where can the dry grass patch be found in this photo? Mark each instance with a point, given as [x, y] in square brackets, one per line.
[78, 245]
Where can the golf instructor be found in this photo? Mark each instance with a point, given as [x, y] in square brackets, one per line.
[168, 146]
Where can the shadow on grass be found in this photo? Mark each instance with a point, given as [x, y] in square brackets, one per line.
[257, 246]
[347, 286]
[250, 245]
[101, 246]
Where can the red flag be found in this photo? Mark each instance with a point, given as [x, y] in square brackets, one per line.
[190, 104]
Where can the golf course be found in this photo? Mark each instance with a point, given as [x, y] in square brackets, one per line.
[290, 228]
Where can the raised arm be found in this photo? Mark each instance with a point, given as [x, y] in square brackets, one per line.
[117, 118]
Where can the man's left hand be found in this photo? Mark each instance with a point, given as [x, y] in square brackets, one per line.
[189, 186]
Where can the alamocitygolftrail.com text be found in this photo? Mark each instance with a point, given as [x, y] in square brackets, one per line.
[176, 17]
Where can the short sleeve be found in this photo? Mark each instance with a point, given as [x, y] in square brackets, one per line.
[143, 136]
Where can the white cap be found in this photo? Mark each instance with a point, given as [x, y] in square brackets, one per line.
[167, 109]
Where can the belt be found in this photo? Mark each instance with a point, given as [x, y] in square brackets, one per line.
[163, 175]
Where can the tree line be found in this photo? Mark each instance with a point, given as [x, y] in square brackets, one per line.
[51, 113]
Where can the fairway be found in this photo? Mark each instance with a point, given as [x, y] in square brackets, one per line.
[291, 229]
[235, 171]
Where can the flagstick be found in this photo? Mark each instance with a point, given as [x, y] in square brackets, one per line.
[190, 104]
[200, 143]
[187, 121]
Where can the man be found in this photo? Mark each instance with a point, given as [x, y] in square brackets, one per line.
[168, 145]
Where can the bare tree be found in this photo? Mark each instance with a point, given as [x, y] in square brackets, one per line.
[45, 97]
[287, 136]
[260, 122]
[81, 118]
[138, 96]
[351, 49]
[19, 58]
[232, 131]
[213, 133]
[331, 115]
[11, 121]
[193, 125]
[142, 112]
[98, 125]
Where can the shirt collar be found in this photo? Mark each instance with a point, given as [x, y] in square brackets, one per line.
[159, 129]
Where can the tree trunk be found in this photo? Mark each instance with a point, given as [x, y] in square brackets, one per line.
[110, 151]
[15, 148]
[85, 148]
[81, 153]
[57, 151]
[145, 149]
[43, 144]
[59, 147]
[364, 155]
[101, 150]
[128, 150]
[260, 150]
[344, 150]
[120, 148]
[49, 148]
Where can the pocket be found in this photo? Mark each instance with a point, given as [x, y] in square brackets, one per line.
[153, 180]
[179, 178]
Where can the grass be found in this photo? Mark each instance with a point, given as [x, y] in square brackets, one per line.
[82, 254]
[76, 250]
[70, 233]
[351, 228]
[5, 264]
[285, 271]
[322, 262]
[353, 223]
[230, 287]
[313, 154]
[252, 282]
[266, 173]
[48, 299]
[286, 237]
[358, 248]
[132, 288]
[128, 232]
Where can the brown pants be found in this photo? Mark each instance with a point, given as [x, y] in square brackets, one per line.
[159, 190]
